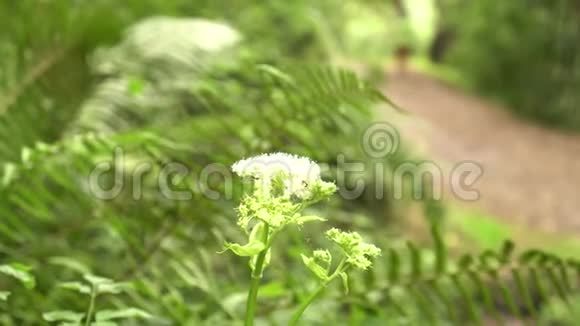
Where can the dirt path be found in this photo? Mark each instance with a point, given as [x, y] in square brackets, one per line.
[531, 174]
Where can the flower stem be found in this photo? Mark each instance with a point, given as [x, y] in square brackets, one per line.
[255, 283]
[298, 313]
[89, 316]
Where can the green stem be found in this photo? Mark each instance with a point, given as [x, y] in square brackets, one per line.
[89, 316]
[255, 283]
[298, 313]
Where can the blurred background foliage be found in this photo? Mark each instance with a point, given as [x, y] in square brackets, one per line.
[522, 64]
[205, 82]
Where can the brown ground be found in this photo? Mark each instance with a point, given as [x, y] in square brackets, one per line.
[530, 173]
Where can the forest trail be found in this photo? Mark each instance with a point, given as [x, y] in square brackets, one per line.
[530, 173]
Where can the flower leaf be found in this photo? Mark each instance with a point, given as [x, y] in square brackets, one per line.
[318, 270]
[258, 232]
[311, 218]
[251, 249]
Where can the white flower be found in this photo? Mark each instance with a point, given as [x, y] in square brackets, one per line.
[298, 173]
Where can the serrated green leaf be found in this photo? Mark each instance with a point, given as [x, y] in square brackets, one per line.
[19, 272]
[106, 315]
[63, 315]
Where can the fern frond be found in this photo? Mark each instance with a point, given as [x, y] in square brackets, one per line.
[59, 171]
[494, 283]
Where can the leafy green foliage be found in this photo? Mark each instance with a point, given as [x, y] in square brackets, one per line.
[75, 90]
[493, 283]
[527, 57]
[19, 272]
[93, 287]
[240, 110]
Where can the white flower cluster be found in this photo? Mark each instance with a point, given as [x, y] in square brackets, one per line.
[358, 253]
[297, 173]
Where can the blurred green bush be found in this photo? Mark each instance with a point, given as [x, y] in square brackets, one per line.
[523, 53]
